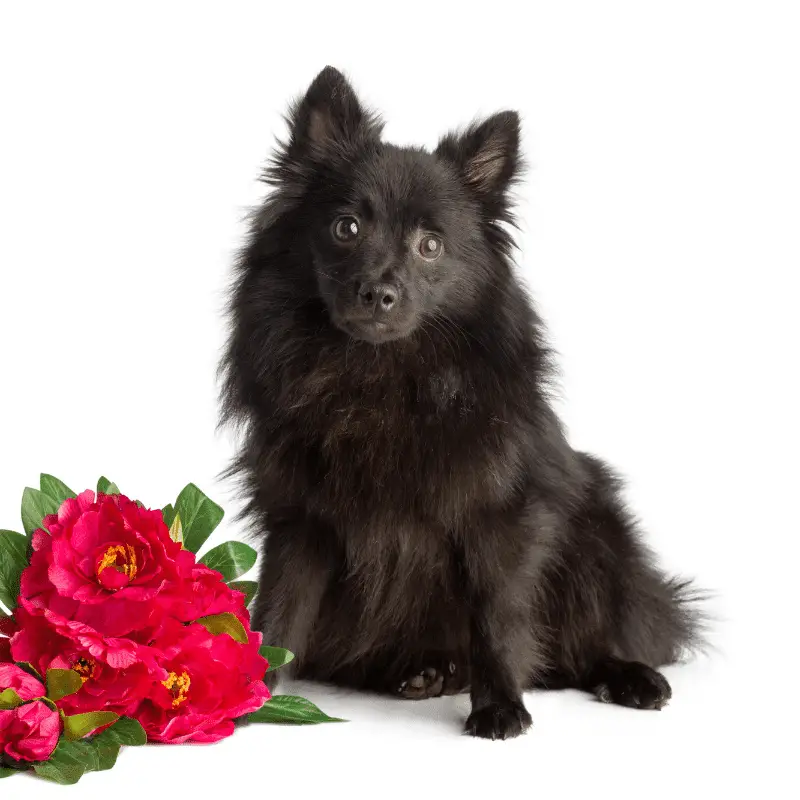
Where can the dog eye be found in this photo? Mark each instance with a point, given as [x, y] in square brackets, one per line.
[346, 229]
[431, 247]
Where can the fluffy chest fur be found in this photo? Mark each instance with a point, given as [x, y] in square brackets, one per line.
[384, 441]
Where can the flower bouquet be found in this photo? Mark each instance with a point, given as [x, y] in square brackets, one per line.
[120, 635]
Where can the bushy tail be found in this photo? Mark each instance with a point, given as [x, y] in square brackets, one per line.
[689, 619]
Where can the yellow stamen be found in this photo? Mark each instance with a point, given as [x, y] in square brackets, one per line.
[179, 686]
[112, 556]
[85, 667]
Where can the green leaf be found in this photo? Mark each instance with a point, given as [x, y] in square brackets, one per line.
[125, 732]
[176, 529]
[35, 507]
[80, 725]
[276, 656]
[199, 516]
[168, 512]
[107, 754]
[68, 762]
[5, 772]
[248, 588]
[71, 759]
[62, 683]
[224, 623]
[55, 488]
[105, 486]
[232, 559]
[284, 708]
[9, 699]
[13, 559]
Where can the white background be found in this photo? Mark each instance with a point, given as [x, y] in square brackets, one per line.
[660, 237]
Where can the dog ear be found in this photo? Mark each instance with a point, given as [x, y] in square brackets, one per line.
[486, 156]
[329, 116]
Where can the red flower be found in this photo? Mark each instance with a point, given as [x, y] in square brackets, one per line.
[116, 673]
[211, 681]
[203, 594]
[29, 732]
[25, 685]
[104, 563]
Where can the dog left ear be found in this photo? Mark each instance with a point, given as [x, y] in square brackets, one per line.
[329, 115]
[486, 157]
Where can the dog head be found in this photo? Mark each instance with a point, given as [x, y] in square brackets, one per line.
[394, 236]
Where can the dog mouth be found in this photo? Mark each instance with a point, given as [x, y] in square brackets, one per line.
[373, 331]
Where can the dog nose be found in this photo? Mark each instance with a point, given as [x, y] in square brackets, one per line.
[380, 297]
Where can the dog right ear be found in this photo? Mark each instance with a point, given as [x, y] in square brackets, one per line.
[329, 116]
[486, 157]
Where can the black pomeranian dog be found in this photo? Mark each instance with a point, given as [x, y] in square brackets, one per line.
[428, 529]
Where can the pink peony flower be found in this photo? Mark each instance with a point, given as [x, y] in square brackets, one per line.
[211, 681]
[116, 673]
[104, 563]
[25, 685]
[204, 593]
[29, 732]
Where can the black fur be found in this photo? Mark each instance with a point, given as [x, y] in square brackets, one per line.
[427, 526]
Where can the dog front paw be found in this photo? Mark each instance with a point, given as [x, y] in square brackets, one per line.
[499, 720]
